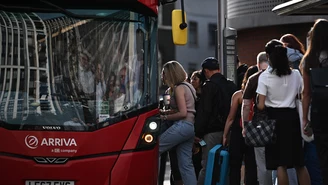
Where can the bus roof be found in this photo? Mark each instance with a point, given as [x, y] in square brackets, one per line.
[147, 7]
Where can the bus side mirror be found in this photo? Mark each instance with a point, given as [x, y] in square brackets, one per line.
[179, 27]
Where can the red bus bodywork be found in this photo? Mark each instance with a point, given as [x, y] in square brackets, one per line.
[152, 4]
[112, 159]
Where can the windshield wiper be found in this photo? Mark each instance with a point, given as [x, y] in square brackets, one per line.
[3, 123]
[71, 14]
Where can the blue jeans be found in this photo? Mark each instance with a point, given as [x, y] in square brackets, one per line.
[312, 163]
[181, 134]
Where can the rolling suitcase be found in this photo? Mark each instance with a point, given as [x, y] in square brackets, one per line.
[217, 166]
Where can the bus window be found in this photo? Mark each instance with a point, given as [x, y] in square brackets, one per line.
[71, 72]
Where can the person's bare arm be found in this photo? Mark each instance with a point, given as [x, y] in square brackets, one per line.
[246, 109]
[261, 103]
[232, 114]
[262, 92]
[306, 98]
[247, 101]
[181, 103]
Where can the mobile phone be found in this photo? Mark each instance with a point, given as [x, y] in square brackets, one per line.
[202, 143]
[308, 128]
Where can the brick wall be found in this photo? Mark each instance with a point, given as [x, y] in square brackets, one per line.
[252, 41]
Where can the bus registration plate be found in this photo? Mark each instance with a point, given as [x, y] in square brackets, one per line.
[49, 182]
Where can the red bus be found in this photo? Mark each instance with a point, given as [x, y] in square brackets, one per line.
[78, 92]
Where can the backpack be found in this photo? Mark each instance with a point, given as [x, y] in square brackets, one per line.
[319, 87]
[295, 64]
[319, 83]
[230, 88]
[294, 57]
[227, 87]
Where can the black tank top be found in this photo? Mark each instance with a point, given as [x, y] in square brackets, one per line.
[236, 122]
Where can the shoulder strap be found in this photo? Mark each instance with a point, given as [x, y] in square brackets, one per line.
[193, 95]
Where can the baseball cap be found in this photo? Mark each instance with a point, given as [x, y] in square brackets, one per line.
[210, 63]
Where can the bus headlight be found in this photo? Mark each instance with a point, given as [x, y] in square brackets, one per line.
[150, 132]
[148, 138]
[153, 125]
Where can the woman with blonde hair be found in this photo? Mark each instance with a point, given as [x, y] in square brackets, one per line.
[181, 134]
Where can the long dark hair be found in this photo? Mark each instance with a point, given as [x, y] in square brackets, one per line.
[318, 43]
[250, 71]
[278, 57]
[293, 42]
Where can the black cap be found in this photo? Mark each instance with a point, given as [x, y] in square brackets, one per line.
[210, 63]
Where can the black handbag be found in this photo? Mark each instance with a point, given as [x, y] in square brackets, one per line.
[261, 130]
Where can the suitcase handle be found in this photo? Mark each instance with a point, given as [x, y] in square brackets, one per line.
[217, 165]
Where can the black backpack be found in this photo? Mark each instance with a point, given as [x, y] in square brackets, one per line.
[319, 87]
[230, 89]
[227, 87]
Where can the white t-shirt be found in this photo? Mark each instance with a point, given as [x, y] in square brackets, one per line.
[281, 91]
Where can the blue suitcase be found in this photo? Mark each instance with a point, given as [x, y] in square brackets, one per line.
[217, 166]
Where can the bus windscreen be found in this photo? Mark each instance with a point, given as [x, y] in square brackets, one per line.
[68, 73]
